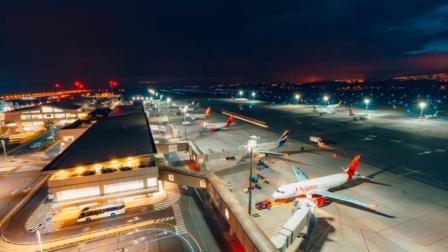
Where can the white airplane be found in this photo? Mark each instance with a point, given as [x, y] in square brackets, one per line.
[429, 116]
[329, 109]
[318, 188]
[198, 116]
[212, 127]
[263, 149]
[356, 117]
[187, 108]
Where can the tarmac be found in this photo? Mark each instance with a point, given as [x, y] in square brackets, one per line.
[411, 214]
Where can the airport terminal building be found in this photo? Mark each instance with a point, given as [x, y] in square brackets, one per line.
[114, 158]
[33, 118]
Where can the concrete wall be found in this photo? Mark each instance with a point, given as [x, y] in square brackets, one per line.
[172, 147]
[182, 179]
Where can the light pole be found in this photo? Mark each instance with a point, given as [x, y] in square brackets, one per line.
[367, 101]
[40, 241]
[52, 132]
[251, 144]
[422, 105]
[4, 148]
[253, 95]
[297, 96]
[326, 99]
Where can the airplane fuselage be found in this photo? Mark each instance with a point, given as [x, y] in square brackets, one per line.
[211, 126]
[196, 116]
[308, 186]
[325, 110]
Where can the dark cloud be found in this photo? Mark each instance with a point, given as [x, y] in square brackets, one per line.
[430, 22]
[42, 42]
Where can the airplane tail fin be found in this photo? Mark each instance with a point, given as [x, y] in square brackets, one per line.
[435, 114]
[351, 169]
[350, 111]
[339, 104]
[283, 138]
[229, 121]
[207, 111]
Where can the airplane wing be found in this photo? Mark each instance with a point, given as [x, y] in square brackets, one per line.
[272, 153]
[300, 175]
[339, 197]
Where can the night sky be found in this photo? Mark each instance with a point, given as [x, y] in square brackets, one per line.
[43, 42]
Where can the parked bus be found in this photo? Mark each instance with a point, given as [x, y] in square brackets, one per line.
[95, 212]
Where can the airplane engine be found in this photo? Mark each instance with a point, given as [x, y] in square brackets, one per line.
[320, 201]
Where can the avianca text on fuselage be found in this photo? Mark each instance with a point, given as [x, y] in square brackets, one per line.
[318, 188]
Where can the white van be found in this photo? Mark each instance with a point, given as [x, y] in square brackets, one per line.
[96, 212]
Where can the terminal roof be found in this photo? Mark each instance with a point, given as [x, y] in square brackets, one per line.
[116, 136]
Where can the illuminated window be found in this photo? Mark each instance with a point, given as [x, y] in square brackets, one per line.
[38, 123]
[35, 111]
[226, 213]
[170, 177]
[59, 115]
[202, 183]
[151, 182]
[47, 109]
[68, 115]
[123, 186]
[39, 116]
[25, 117]
[58, 110]
[78, 193]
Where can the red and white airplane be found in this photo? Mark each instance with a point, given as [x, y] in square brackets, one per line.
[318, 188]
[198, 116]
[356, 117]
[213, 127]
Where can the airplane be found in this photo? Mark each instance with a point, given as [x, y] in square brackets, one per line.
[319, 188]
[429, 116]
[187, 108]
[198, 116]
[213, 127]
[264, 149]
[356, 117]
[328, 109]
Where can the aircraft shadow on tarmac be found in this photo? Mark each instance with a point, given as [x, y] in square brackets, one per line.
[319, 234]
[291, 152]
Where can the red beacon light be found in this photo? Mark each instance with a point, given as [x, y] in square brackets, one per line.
[113, 83]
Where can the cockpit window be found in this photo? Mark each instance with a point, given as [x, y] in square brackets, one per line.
[282, 192]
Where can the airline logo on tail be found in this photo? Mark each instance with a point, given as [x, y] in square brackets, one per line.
[229, 121]
[283, 138]
[207, 111]
[351, 169]
[350, 111]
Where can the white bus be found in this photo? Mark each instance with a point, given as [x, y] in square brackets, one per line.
[95, 212]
